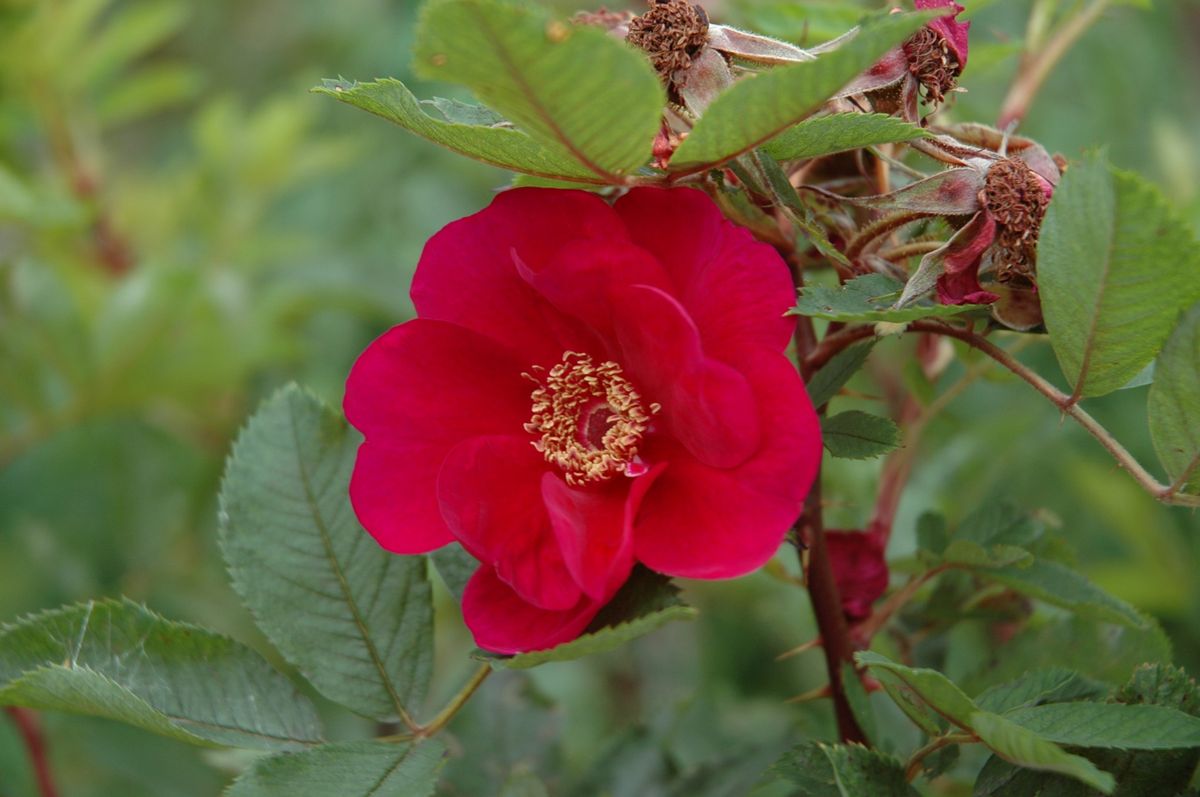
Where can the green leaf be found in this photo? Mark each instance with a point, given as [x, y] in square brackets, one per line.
[835, 770]
[1059, 585]
[118, 660]
[1162, 684]
[1132, 727]
[1025, 748]
[840, 132]
[1035, 688]
[999, 524]
[930, 685]
[505, 147]
[859, 435]
[758, 108]
[355, 619]
[646, 602]
[972, 554]
[907, 700]
[1115, 268]
[353, 769]
[860, 703]
[584, 95]
[455, 566]
[826, 382]
[1174, 403]
[869, 299]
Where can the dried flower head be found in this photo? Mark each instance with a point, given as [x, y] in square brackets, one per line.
[1016, 198]
[672, 33]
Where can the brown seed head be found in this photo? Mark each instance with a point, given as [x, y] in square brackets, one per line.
[1016, 199]
[672, 33]
[932, 63]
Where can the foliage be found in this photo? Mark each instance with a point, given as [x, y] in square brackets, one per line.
[183, 230]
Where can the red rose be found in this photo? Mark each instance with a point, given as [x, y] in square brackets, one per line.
[585, 387]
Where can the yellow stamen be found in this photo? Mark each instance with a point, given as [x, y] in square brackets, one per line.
[589, 418]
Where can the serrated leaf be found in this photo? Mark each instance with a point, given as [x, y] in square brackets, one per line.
[826, 382]
[1129, 727]
[455, 566]
[840, 132]
[1174, 403]
[758, 108]
[860, 771]
[1059, 585]
[859, 435]
[646, 602]
[1115, 267]
[505, 147]
[353, 769]
[913, 707]
[972, 554]
[835, 770]
[355, 619]
[118, 660]
[1025, 748]
[581, 93]
[1162, 684]
[869, 299]
[1035, 688]
[999, 524]
[938, 691]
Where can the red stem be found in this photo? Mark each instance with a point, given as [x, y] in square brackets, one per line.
[822, 589]
[35, 746]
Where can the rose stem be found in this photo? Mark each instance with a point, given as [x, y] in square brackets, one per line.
[822, 589]
[1034, 70]
[35, 745]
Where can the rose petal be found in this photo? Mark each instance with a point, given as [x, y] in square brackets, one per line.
[736, 289]
[708, 406]
[955, 33]
[468, 271]
[594, 528]
[417, 391]
[489, 491]
[427, 381]
[705, 522]
[579, 278]
[502, 622]
[959, 282]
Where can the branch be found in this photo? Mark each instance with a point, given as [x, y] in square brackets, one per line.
[1034, 71]
[35, 747]
[1166, 493]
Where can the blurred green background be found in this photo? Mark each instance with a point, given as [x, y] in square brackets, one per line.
[183, 229]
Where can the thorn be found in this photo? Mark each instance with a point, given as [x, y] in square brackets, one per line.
[812, 644]
[813, 694]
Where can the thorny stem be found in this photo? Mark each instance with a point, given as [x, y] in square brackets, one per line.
[913, 768]
[35, 747]
[1034, 70]
[822, 588]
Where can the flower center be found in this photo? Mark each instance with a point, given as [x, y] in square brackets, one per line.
[589, 419]
[932, 63]
[1016, 199]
